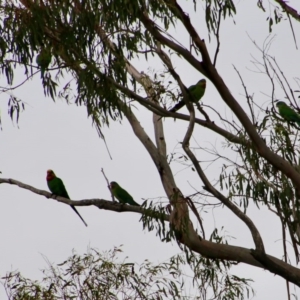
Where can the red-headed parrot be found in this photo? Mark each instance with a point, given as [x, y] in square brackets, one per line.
[57, 187]
[287, 113]
[122, 195]
[196, 92]
[43, 60]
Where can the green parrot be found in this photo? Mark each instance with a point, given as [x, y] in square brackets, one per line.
[288, 113]
[57, 187]
[121, 194]
[43, 60]
[196, 91]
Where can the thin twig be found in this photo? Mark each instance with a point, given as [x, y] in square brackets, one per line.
[292, 28]
[217, 34]
[108, 185]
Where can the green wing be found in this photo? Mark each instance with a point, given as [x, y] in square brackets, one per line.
[197, 90]
[288, 113]
[57, 187]
[122, 195]
[43, 60]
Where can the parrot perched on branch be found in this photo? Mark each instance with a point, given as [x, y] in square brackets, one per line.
[57, 187]
[196, 92]
[43, 60]
[122, 195]
[287, 113]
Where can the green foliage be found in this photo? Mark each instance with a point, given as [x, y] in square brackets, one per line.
[154, 218]
[275, 14]
[255, 180]
[76, 36]
[99, 276]
[15, 106]
[210, 276]
[212, 279]
[96, 275]
[215, 10]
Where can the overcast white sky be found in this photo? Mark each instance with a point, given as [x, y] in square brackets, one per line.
[60, 137]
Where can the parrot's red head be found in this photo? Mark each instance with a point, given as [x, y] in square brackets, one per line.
[202, 83]
[50, 175]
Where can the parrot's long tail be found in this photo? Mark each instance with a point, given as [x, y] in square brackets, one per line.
[177, 106]
[73, 207]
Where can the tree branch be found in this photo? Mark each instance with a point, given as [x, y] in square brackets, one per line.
[207, 69]
[276, 268]
[185, 144]
[157, 121]
[169, 114]
[100, 203]
[209, 187]
[159, 161]
[206, 248]
[288, 9]
[158, 154]
[185, 19]
[153, 29]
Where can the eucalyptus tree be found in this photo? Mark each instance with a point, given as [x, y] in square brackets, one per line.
[99, 43]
